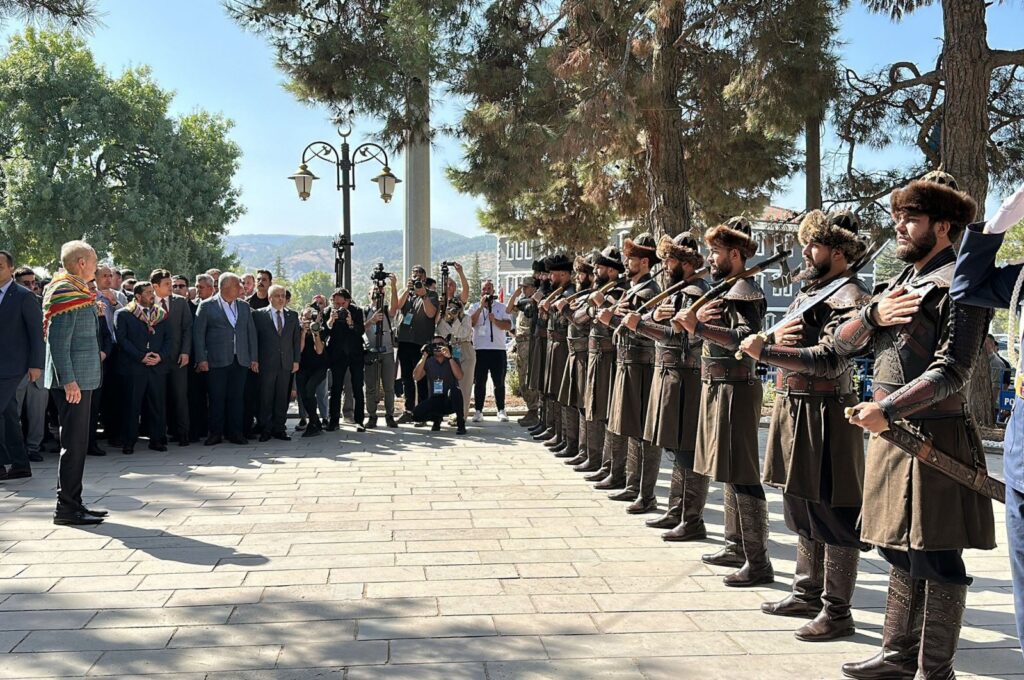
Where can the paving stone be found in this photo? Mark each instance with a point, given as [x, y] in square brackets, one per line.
[101, 639]
[426, 627]
[467, 649]
[186, 660]
[47, 665]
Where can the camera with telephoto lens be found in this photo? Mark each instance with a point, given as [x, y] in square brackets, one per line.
[379, 276]
[432, 348]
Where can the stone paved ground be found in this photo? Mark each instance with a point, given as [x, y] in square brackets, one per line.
[403, 555]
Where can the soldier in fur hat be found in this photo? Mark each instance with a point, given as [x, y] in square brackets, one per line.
[727, 449]
[597, 390]
[570, 393]
[538, 352]
[559, 268]
[925, 346]
[674, 409]
[525, 309]
[814, 454]
[634, 374]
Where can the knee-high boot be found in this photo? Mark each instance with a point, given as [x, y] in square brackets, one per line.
[650, 467]
[570, 433]
[603, 454]
[732, 554]
[556, 442]
[582, 435]
[615, 448]
[757, 569]
[901, 633]
[631, 471]
[674, 514]
[943, 615]
[595, 446]
[691, 524]
[808, 582]
[834, 620]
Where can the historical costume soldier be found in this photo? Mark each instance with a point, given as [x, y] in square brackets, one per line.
[730, 406]
[924, 346]
[565, 439]
[538, 355]
[673, 412]
[814, 454]
[574, 380]
[632, 387]
[977, 281]
[525, 309]
[597, 391]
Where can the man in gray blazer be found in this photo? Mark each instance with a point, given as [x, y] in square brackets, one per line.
[179, 328]
[224, 340]
[278, 333]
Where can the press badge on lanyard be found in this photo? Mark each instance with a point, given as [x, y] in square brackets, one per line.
[457, 353]
[407, 319]
[438, 387]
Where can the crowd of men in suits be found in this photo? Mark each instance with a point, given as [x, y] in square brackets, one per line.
[619, 368]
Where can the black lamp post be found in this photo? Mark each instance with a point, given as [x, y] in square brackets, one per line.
[344, 162]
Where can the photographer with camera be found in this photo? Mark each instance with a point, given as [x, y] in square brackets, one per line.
[457, 328]
[416, 316]
[441, 373]
[490, 321]
[312, 367]
[345, 354]
[380, 352]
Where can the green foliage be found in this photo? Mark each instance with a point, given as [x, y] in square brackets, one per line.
[309, 284]
[85, 155]
[79, 14]
[475, 277]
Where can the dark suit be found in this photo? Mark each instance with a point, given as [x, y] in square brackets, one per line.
[179, 320]
[229, 348]
[345, 354]
[22, 321]
[107, 379]
[278, 350]
[198, 396]
[141, 381]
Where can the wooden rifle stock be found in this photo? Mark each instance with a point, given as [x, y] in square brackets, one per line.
[675, 287]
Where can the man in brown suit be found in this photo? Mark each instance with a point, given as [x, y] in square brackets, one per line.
[814, 454]
[925, 346]
[730, 405]
[672, 414]
[632, 387]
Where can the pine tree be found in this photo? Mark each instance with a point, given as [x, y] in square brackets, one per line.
[475, 278]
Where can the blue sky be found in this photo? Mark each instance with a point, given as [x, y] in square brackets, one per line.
[194, 49]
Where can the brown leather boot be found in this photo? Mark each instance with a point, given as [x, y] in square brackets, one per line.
[757, 570]
[634, 451]
[529, 420]
[691, 524]
[650, 466]
[674, 515]
[615, 446]
[901, 633]
[834, 620]
[808, 583]
[732, 554]
[943, 615]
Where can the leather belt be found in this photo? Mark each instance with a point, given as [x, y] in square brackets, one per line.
[953, 405]
[556, 336]
[635, 355]
[542, 333]
[673, 358]
[795, 383]
[724, 370]
[600, 345]
[578, 345]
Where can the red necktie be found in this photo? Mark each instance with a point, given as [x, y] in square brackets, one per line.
[163, 303]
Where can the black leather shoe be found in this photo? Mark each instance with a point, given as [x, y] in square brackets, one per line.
[301, 426]
[371, 423]
[461, 430]
[360, 427]
[128, 450]
[265, 437]
[35, 457]
[96, 451]
[76, 519]
[94, 512]
[436, 427]
[3, 473]
[213, 440]
[18, 474]
[184, 442]
[332, 426]
[241, 441]
[283, 436]
[158, 447]
[312, 432]
[390, 420]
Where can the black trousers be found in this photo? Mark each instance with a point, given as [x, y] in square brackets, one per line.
[75, 421]
[250, 402]
[11, 440]
[353, 365]
[435, 408]
[408, 356]
[148, 387]
[227, 394]
[495, 362]
[275, 390]
[198, 403]
[307, 380]
[108, 403]
[177, 402]
[944, 566]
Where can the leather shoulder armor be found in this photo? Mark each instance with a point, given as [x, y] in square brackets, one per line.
[852, 295]
[744, 289]
[940, 278]
[694, 289]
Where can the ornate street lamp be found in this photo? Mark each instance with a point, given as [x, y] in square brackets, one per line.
[344, 162]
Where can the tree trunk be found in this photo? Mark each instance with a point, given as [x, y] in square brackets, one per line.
[669, 210]
[812, 163]
[967, 70]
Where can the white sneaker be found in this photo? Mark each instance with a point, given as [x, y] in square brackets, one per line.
[478, 417]
[502, 418]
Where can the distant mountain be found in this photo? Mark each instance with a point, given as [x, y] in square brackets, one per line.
[300, 254]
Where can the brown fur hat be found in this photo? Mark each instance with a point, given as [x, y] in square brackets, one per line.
[683, 248]
[641, 246]
[936, 195]
[610, 257]
[584, 264]
[835, 230]
[736, 233]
